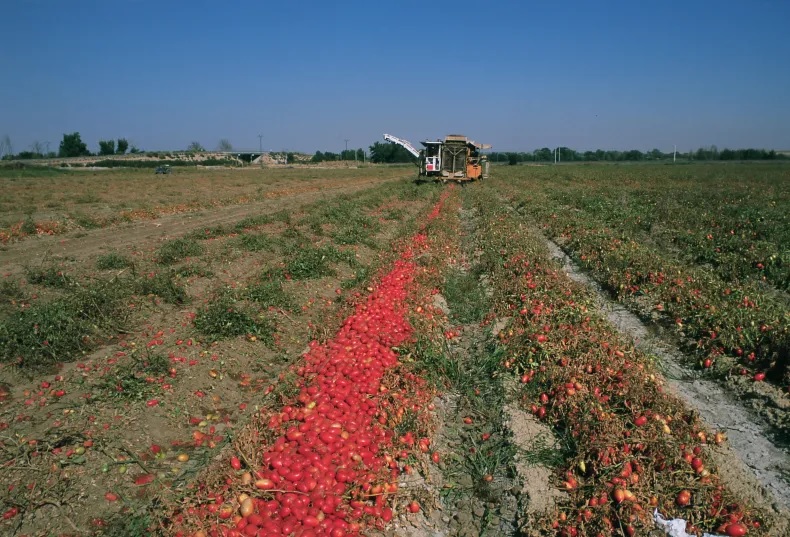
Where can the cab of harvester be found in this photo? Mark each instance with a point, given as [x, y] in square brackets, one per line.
[432, 158]
[456, 158]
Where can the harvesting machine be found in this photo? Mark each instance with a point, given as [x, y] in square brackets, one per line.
[456, 158]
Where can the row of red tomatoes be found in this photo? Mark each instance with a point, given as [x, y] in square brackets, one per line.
[329, 471]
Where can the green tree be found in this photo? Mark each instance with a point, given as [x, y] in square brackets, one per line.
[512, 159]
[106, 147]
[543, 154]
[196, 147]
[701, 154]
[73, 146]
[28, 155]
[224, 145]
[569, 155]
[123, 145]
[389, 153]
[134, 150]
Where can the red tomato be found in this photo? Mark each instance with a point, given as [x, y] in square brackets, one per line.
[144, 479]
[735, 530]
[11, 513]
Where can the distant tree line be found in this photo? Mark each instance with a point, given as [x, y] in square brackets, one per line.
[566, 154]
[347, 154]
[71, 146]
[385, 152]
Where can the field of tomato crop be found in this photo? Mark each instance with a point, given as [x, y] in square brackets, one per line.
[346, 352]
[702, 251]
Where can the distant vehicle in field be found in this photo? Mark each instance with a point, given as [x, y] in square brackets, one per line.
[163, 169]
[455, 158]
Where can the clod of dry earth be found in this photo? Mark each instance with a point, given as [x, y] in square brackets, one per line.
[528, 434]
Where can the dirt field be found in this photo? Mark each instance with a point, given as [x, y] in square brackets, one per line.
[57, 200]
[336, 352]
[146, 383]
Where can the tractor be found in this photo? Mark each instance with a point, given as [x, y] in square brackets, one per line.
[456, 158]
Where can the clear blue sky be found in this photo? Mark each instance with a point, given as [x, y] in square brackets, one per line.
[307, 75]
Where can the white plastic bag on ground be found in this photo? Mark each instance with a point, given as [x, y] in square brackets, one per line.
[675, 527]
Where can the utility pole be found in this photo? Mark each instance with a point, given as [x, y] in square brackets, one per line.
[260, 147]
[345, 155]
[675, 154]
[47, 148]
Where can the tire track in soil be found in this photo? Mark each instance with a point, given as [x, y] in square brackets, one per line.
[470, 498]
[80, 245]
[751, 464]
[493, 503]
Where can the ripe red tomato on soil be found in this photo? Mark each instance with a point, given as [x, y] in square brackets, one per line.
[736, 530]
[325, 439]
[11, 513]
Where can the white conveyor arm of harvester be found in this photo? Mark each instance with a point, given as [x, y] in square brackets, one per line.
[403, 143]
